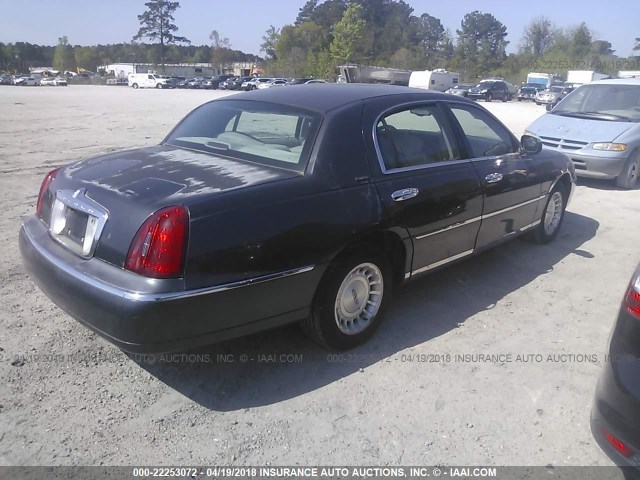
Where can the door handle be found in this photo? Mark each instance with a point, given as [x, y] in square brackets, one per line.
[404, 194]
[493, 177]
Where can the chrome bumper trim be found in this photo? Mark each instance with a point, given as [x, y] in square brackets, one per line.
[153, 297]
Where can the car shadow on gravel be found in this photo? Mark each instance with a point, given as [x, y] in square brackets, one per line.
[597, 184]
[280, 364]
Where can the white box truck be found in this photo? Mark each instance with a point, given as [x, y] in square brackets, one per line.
[580, 77]
[439, 79]
[629, 74]
[148, 80]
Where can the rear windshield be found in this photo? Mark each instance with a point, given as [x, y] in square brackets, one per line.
[259, 132]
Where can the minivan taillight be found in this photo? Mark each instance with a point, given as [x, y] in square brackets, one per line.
[44, 188]
[159, 247]
[633, 297]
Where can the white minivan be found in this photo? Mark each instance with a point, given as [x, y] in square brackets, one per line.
[148, 80]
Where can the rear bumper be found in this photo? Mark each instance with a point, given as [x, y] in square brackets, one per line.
[141, 315]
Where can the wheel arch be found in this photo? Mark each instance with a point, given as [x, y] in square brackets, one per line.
[398, 250]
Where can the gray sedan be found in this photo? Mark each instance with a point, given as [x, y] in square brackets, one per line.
[598, 126]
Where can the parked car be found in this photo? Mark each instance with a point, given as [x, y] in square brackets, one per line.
[461, 90]
[276, 82]
[225, 84]
[254, 82]
[598, 125]
[552, 95]
[184, 83]
[528, 91]
[236, 83]
[615, 419]
[27, 81]
[490, 89]
[299, 81]
[53, 81]
[213, 83]
[271, 207]
[5, 80]
[195, 83]
[120, 81]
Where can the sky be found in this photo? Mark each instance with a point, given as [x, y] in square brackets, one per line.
[92, 22]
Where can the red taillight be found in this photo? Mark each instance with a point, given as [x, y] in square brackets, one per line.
[618, 444]
[633, 298]
[158, 249]
[44, 188]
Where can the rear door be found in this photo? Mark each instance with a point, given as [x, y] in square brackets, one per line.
[426, 186]
[510, 179]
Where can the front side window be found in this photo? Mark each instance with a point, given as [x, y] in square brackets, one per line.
[485, 136]
[260, 132]
[415, 136]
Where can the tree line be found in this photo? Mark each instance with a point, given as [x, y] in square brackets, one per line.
[329, 33]
[388, 33]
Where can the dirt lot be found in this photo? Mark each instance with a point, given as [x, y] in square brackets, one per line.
[67, 397]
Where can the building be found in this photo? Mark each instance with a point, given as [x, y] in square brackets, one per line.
[122, 70]
[243, 69]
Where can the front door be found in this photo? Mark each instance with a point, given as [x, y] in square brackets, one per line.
[511, 184]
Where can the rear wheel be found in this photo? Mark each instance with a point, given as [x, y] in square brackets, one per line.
[135, 85]
[552, 217]
[489, 97]
[628, 179]
[159, 85]
[350, 301]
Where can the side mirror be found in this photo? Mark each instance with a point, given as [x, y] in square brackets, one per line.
[531, 144]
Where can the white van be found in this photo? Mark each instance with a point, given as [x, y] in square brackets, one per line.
[439, 79]
[148, 80]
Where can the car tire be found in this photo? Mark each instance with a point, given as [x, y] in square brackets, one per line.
[628, 178]
[159, 86]
[350, 301]
[489, 97]
[505, 97]
[519, 99]
[552, 217]
[135, 85]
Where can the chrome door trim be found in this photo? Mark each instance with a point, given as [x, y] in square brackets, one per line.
[450, 227]
[513, 207]
[439, 263]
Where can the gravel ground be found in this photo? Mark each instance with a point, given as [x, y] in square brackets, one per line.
[409, 396]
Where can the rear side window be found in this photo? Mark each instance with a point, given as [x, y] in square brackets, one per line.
[485, 136]
[414, 137]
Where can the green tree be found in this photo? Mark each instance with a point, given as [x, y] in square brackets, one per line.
[537, 37]
[436, 45]
[157, 23]
[269, 42]
[481, 45]
[580, 41]
[221, 53]
[346, 34]
[63, 58]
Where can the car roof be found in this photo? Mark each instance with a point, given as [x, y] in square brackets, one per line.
[617, 81]
[326, 97]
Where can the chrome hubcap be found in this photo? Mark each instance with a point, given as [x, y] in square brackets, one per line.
[359, 298]
[553, 214]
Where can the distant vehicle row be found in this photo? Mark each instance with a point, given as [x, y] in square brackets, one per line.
[31, 81]
[222, 82]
